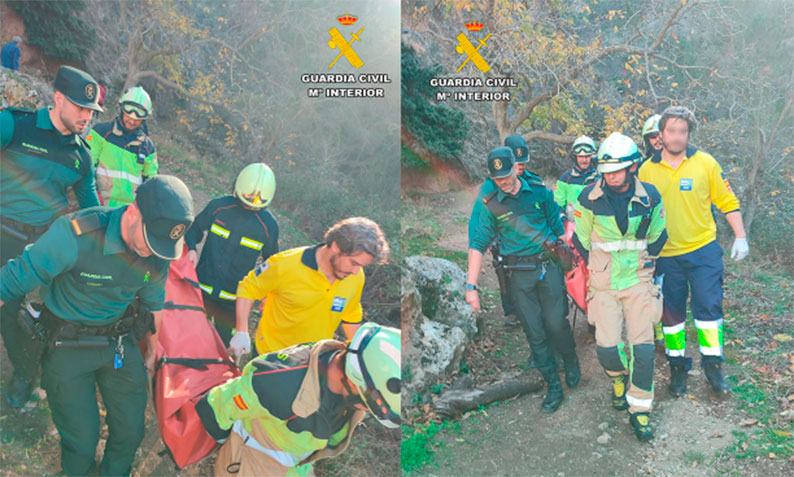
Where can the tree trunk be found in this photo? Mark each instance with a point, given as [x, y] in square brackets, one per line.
[455, 402]
[752, 183]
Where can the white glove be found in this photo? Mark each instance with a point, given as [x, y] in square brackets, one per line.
[740, 249]
[240, 343]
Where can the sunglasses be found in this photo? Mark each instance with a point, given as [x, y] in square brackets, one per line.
[134, 111]
[653, 135]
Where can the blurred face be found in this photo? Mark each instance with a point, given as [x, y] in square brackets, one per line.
[520, 167]
[129, 123]
[132, 231]
[675, 135]
[73, 118]
[507, 184]
[583, 162]
[343, 265]
[655, 140]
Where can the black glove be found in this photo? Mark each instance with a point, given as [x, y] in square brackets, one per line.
[562, 253]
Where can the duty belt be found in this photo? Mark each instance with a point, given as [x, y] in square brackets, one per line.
[22, 230]
[66, 329]
[525, 262]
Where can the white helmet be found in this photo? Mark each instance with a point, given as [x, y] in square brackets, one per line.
[617, 152]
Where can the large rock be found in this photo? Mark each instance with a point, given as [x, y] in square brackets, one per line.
[437, 322]
[22, 91]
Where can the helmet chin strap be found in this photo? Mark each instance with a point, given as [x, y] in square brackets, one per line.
[627, 179]
[352, 397]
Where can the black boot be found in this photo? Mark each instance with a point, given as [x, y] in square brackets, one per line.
[19, 390]
[678, 374]
[554, 393]
[640, 421]
[715, 378]
[573, 373]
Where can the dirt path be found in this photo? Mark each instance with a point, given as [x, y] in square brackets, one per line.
[585, 436]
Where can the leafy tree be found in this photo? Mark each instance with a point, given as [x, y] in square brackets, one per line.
[57, 28]
[440, 128]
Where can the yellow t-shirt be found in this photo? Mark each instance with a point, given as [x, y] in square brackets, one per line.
[687, 195]
[301, 305]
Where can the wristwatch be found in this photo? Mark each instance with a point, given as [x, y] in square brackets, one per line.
[470, 287]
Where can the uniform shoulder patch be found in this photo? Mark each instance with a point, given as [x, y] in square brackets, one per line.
[488, 197]
[89, 222]
[21, 110]
[238, 400]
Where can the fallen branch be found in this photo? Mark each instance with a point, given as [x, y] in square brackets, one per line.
[455, 402]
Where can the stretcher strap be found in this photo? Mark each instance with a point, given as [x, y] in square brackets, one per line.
[169, 305]
[195, 363]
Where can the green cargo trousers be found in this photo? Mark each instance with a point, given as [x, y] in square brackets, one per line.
[542, 308]
[70, 377]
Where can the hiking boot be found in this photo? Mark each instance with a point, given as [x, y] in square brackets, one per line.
[716, 379]
[554, 393]
[641, 422]
[678, 374]
[19, 390]
[573, 373]
[619, 392]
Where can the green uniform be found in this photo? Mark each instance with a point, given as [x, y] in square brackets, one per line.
[488, 187]
[523, 222]
[37, 166]
[89, 276]
[571, 184]
[123, 160]
[523, 232]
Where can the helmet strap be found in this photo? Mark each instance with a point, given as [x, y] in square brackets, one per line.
[352, 397]
[627, 180]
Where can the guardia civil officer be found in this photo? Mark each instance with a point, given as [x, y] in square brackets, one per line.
[91, 265]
